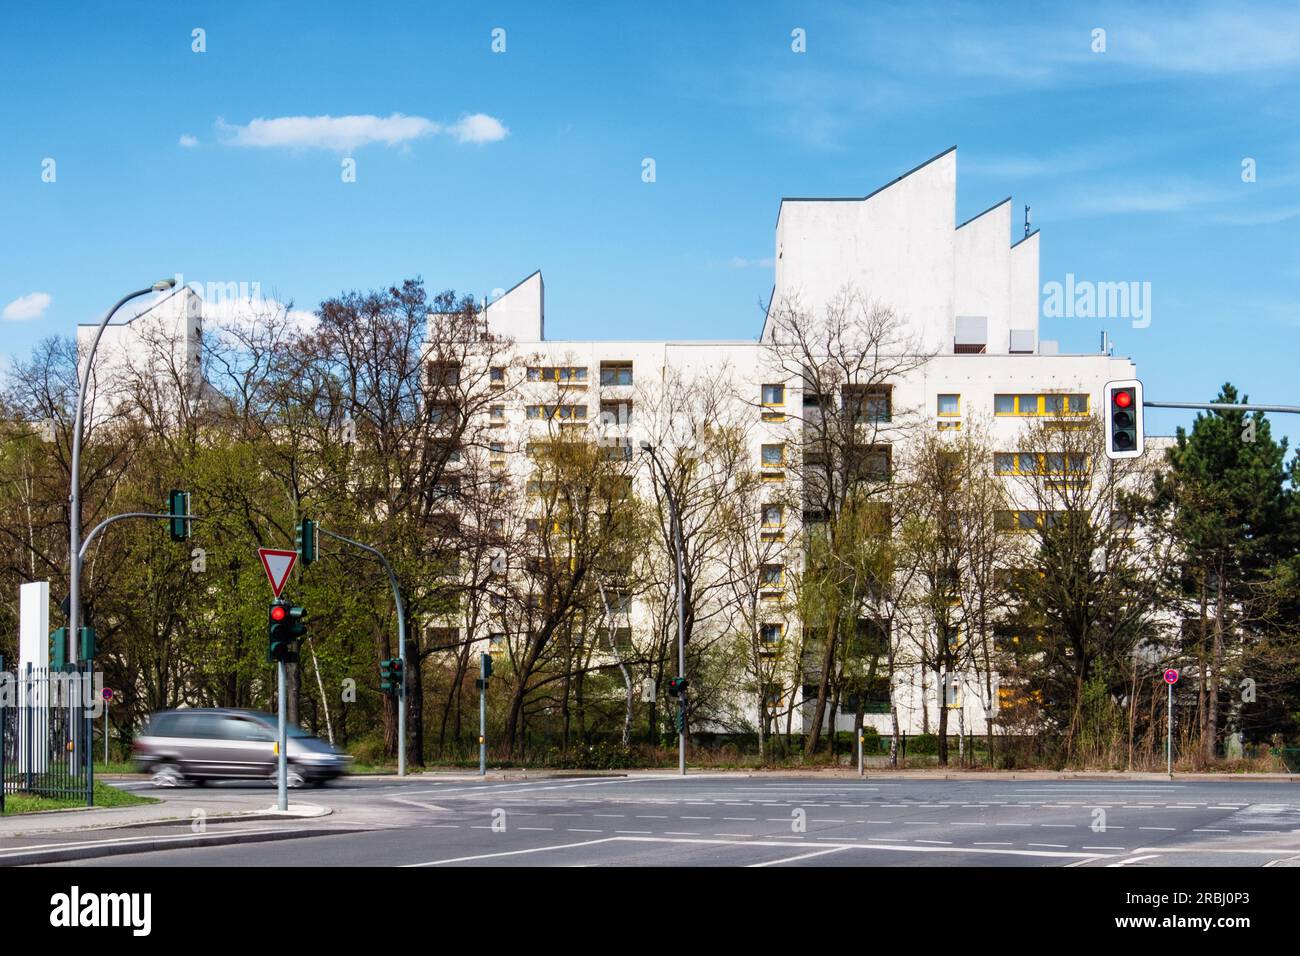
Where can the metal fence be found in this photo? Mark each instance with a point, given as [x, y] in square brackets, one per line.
[43, 723]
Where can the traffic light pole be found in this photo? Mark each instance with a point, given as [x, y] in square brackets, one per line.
[482, 728]
[401, 641]
[282, 758]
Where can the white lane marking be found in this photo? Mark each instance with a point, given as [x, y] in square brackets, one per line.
[802, 856]
[535, 828]
[1169, 829]
[1211, 830]
[1065, 854]
[490, 856]
[1120, 848]
[681, 833]
[1054, 846]
[1134, 859]
[943, 842]
[639, 832]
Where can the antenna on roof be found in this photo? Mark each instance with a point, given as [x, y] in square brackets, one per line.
[1026, 220]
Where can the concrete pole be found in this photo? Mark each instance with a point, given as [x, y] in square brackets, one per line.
[1169, 734]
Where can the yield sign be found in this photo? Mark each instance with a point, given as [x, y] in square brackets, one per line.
[278, 564]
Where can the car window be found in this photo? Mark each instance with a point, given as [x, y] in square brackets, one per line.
[162, 725]
[239, 728]
[198, 725]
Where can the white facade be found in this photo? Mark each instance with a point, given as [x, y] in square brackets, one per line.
[155, 351]
[966, 292]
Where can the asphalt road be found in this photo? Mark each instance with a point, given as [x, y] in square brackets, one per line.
[732, 820]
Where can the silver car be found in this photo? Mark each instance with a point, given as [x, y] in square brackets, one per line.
[199, 745]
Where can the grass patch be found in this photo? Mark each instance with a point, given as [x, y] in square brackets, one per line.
[105, 796]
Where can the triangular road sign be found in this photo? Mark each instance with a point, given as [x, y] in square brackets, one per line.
[278, 564]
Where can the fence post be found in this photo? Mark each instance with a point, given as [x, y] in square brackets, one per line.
[27, 724]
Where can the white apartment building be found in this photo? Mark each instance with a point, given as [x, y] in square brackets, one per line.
[967, 292]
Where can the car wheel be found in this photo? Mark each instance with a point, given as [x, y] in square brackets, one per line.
[294, 777]
[167, 775]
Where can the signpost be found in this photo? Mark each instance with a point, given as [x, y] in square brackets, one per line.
[277, 564]
[107, 694]
[1171, 678]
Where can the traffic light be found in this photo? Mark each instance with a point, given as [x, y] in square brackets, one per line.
[485, 665]
[306, 543]
[390, 676]
[59, 648]
[1123, 401]
[178, 507]
[284, 628]
[681, 721]
[677, 686]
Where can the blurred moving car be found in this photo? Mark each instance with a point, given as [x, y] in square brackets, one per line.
[224, 743]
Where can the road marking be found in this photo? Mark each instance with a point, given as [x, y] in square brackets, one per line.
[490, 856]
[646, 832]
[1120, 848]
[1052, 846]
[1168, 829]
[802, 856]
[944, 842]
[1134, 859]
[534, 828]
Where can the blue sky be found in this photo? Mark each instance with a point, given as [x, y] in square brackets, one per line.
[532, 158]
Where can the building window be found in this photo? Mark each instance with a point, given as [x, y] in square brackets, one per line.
[497, 413]
[868, 403]
[616, 412]
[773, 395]
[771, 576]
[497, 451]
[773, 516]
[615, 373]
[770, 634]
[952, 690]
[562, 412]
[563, 374]
[497, 376]
[949, 405]
[1048, 404]
[773, 456]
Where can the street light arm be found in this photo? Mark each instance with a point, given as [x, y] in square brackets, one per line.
[85, 545]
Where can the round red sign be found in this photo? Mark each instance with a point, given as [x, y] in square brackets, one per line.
[1171, 676]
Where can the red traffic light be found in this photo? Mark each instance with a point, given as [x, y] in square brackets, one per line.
[278, 612]
[1123, 398]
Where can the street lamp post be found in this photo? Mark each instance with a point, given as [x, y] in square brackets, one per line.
[678, 560]
[74, 498]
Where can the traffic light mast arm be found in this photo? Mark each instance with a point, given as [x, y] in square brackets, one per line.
[401, 638]
[85, 544]
[392, 580]
[1227, 407]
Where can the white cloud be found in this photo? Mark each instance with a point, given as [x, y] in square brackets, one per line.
[235, 313]
[343, 133]
[478, 128]
[27, 307]
[188, 141]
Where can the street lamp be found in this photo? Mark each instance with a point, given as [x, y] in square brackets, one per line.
[74, 498]
[678, 560]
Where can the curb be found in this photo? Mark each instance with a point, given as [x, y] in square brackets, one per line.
[94, 850]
